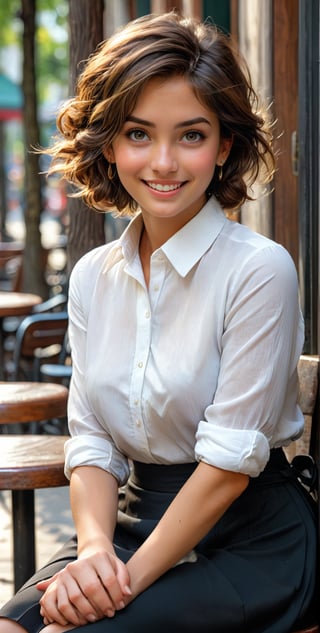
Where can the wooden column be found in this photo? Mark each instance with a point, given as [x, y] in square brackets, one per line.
[309, 170]
[116, 14]
[162, 6]
[255, 43]
[192, 8]
[285, 72]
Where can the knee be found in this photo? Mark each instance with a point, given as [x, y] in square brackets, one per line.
[55, 628]
[8, 626]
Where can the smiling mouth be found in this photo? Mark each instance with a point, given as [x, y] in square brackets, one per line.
[165, 188]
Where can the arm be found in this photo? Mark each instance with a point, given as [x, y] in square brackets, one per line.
[94, 504]
[200, 503]
[95, 584]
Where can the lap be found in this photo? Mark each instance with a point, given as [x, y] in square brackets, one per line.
[252, 573]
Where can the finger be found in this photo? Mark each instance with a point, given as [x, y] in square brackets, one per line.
[98, 600]
[79, 599]
[111, 584]
[56, 607]
[42, 585]
[123, 577]
[48, 618]
[49, 606]
[94, 576]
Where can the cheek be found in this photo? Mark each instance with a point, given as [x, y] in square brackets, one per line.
[205, 162]
[128, 160]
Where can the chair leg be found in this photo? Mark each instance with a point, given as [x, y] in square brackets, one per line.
[23, 536]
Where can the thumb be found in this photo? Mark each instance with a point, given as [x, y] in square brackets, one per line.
[42, 585]
[123, 577]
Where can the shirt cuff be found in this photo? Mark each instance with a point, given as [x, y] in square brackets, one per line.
[245, 451]
[86, 450]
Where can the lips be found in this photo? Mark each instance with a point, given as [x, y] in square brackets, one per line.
[156, 186]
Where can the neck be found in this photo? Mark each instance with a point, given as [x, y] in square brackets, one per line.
[145, 247]
[155, 234]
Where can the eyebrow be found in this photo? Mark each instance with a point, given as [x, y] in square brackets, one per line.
[134, 119]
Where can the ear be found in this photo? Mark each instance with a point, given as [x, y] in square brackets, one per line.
[224, 150]
[108, 154]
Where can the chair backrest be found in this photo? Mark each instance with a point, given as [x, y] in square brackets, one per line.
[39, 336]
[54, 304]
[308, 372]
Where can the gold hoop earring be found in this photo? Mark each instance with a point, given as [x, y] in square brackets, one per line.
[110, 172]
[220, 174]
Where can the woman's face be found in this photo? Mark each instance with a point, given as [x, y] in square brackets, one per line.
[167, 150]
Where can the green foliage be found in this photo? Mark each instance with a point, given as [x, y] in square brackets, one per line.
[52, 46]
[10, 24]
[51, 40]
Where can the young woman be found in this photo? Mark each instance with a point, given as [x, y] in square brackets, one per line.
[185, 337]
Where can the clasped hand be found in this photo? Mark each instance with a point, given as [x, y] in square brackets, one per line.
[86, 590]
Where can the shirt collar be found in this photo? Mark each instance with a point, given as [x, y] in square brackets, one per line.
[187, 246]
[184, 248]
[127, 245]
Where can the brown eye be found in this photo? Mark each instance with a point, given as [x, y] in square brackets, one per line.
[193, 136]
[137, 135]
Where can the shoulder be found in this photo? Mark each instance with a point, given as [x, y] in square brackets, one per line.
[87, 272]
[251, 250]
[93, 262]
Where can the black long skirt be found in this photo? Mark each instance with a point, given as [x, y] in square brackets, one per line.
[255, 572]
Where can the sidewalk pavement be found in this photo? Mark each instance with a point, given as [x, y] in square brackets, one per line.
[53, 527]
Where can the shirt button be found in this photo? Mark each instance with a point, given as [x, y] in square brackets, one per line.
[147, 314]
[136, 402]
[138, 423]
[156, 288]
[140, 364]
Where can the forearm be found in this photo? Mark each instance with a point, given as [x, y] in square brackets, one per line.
[94, 504]
[201, 502]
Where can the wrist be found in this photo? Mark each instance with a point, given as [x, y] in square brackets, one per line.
[93, 545]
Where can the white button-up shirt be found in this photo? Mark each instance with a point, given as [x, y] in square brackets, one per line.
[199, 366]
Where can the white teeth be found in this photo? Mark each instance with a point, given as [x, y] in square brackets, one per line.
[159, 187]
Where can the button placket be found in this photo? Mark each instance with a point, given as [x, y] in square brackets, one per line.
[143, 340]
[157, 275]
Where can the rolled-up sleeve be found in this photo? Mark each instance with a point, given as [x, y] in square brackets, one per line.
[89, 444]
[242, 450]
[257, 386]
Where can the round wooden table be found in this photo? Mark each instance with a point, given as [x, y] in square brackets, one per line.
[14, 304]
[29, 462]
[31, 401]
[8, 250]
[17, 303]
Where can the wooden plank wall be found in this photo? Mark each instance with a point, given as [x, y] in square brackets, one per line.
[285, 81]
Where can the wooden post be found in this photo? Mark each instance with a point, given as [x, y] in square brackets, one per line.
[162, 6]
[116, 14]
[192, 8]
[285, 70]
[255, 43]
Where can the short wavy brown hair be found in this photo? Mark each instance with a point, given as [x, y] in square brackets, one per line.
[111, 83]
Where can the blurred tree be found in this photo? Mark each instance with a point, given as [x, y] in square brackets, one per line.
[51, 48]
[38, 73]
[86, 228]
[8, 11]
[33, 279]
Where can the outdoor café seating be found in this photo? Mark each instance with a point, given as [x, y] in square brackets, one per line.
[28, 461]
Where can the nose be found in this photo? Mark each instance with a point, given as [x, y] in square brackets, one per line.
[163, 159]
